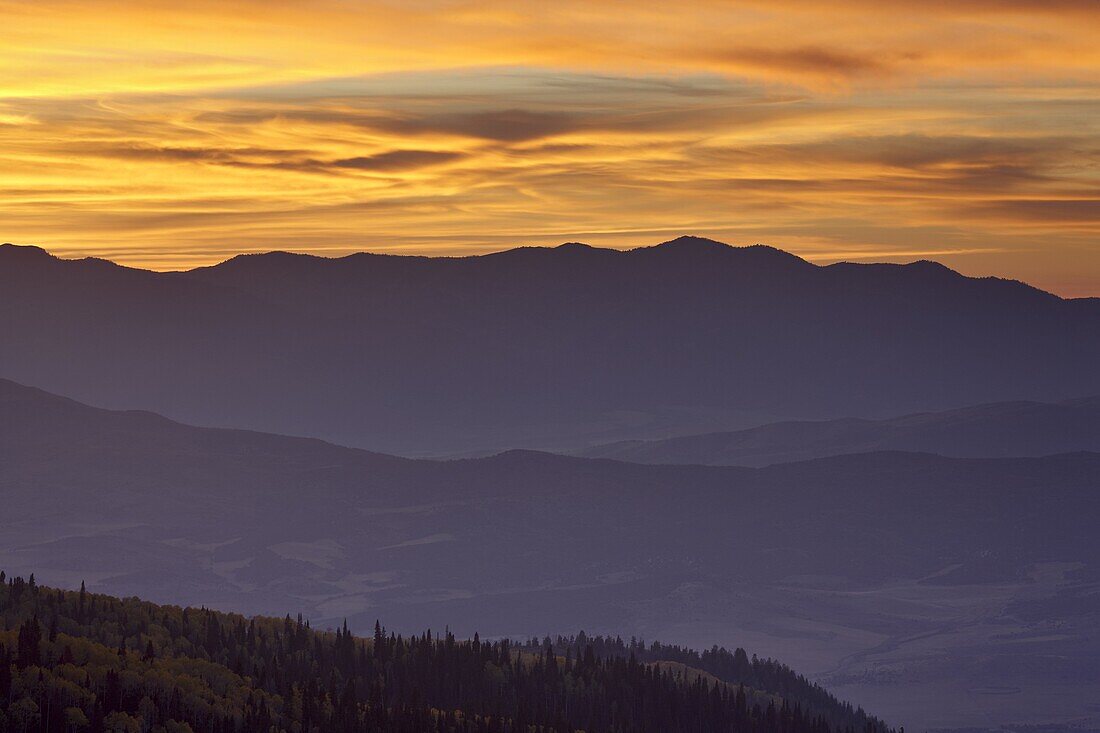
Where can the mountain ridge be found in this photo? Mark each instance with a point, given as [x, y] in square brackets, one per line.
[684, 244]
[547, 348]
[12, 392]
[1018, 428]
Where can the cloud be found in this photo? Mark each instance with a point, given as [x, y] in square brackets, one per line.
[509, 125]
[505, 125]
[973, 7]
[179, 154]
[1049, 212]
[930, 166]
[187, 130]
[812, 60]
[258, 157]
[398, 160]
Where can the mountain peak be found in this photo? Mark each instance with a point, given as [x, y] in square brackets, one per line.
[689, 247]
[692, 243]
[932, 268]
[23, 253]
[275, 255]
[574, 247]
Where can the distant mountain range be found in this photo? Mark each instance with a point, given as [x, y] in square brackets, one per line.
[550, 348]
[1000, 429]
[896, 578]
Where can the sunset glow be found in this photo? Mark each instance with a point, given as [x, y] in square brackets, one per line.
[170, 135]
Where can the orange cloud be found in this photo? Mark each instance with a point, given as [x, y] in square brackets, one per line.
[167, 134]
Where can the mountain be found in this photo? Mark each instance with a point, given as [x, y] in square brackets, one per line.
[548, 348]
[78, 661]
[895, 578]
[983, 431]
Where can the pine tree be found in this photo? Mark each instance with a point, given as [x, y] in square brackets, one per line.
[30, 637]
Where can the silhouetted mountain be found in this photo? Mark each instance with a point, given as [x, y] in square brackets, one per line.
[552, 348]
[894, 577]
[985, 431]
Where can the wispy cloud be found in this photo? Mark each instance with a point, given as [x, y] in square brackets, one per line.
[167, 134]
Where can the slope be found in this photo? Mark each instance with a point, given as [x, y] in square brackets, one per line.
[105, 664]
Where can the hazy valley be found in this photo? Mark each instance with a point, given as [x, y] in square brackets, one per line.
[936, 591]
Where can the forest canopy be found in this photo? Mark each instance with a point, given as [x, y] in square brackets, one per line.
[74, 661]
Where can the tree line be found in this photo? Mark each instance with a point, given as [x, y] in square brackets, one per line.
[78, 662]
[735, 667]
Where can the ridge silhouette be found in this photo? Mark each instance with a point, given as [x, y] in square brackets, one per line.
[538, 347]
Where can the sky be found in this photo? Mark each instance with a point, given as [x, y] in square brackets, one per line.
[169, 135]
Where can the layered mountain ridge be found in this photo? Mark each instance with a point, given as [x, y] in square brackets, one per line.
[981, 431]
[893, 577]
[545, 348]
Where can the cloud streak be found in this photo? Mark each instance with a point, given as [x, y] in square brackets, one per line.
[171, 135]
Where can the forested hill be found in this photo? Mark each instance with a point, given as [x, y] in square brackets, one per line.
[76, 661]
[734, 667]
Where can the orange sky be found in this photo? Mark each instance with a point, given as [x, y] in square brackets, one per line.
[170, 134]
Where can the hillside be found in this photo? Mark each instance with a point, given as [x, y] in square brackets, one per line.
[543, 348]
[76, 661]
[1003, 429]
[895, 578]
